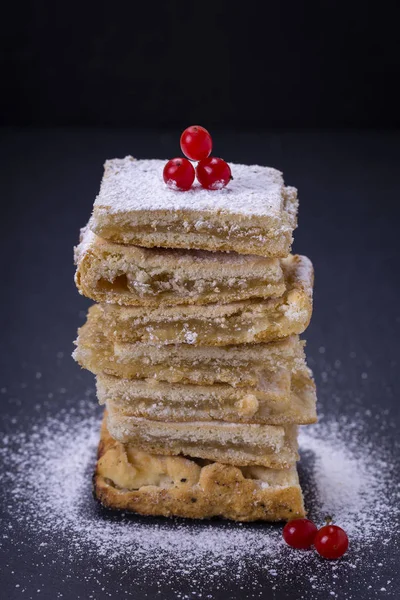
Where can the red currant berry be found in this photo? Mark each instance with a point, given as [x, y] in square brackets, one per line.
[213, 173]
[179, 174]
[196, 142]
[331, 541]
[300, 533]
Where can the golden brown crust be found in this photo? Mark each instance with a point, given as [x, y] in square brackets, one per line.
[188, 488]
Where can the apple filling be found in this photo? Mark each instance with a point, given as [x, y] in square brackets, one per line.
[168, 284]
[185, 372]
[195, 331]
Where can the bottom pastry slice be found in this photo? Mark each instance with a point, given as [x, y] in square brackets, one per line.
[129, 479]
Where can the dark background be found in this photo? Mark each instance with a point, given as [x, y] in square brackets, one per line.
[309, 88]
[223, 64]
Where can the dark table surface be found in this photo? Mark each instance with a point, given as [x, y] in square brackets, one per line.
[349, 218]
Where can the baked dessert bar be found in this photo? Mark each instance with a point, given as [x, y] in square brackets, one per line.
[255, 214]
[280, 400]
[130, 479]
[129, 275]
[241, 322]
[240, 444]
[182, 363]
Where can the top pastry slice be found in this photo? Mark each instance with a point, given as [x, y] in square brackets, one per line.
[255, 214]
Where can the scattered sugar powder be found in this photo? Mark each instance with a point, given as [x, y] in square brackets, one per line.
[47, 482]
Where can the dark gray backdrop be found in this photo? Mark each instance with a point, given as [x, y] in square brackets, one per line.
[223, 64]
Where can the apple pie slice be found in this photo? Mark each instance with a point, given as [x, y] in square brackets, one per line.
[130, 479]
[279, 400]
[254, 214]
[241, 322]
[133, 276]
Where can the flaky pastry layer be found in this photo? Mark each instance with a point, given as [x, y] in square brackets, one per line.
[248, 321]
[280, 401]
[240, 365]
[240, 444]
[133, 276]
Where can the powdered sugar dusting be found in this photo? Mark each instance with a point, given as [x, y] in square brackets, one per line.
[131, 185]
[352, 478]
[190, 337]
[86, 240]
[48, 483]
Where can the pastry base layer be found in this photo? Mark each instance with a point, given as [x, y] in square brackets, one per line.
[281, 401]
[240, 444]
[254, 214]
[129, 479]
[248, 321]
[134, 276]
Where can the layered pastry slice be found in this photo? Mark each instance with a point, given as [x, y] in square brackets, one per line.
[241, 322]
[255, 214]
[129, 275]
[242, 444]
[278, 400]
[240, 365]
[130, 479]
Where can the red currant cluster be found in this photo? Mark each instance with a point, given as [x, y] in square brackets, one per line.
[212, 173]
[330, 541]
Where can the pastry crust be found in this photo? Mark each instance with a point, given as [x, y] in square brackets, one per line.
[130, 479]
[242, 444]
[242, 322]
[254, 214]
[133, 276]
[279, 401]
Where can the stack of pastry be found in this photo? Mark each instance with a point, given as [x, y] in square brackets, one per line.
[194, 343]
